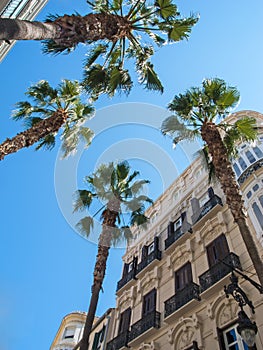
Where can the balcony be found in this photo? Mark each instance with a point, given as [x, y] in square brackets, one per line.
[130, 276]
[208, 206]
[182, 297]
[249, 171]
[155, 255]
[218, 271]
[119, 342]
[150, 321]
[174, 236]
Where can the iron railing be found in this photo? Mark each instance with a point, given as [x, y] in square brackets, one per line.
[130, 275]
[156, 254]
[219, 270]
[210, 204]
[249, 171]
[182, 297]
[172, 237]
[119, 342]
[152, 320]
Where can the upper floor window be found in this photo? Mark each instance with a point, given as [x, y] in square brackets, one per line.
[237, 170]
[258, 152]
[217, 250]
[258, 211]
[183, 277]
[231, 340]
[242, 163]
[98, 339]
[250, 157]
[125, 320]
[69, 333]
[149, 303]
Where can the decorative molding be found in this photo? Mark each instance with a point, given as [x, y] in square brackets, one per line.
[149, 346]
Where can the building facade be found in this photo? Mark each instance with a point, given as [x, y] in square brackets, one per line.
[171, 293]
[21, 9]
[71, 329]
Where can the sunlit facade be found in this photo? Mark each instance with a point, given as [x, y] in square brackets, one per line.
[171, 293]
[21, 9]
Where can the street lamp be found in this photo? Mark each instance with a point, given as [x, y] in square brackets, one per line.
[246, 328]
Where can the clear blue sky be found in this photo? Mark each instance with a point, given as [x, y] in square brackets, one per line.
[45, 266]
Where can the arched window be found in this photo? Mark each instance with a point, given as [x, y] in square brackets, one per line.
[250, 157]
[258, 212]
[242, 163]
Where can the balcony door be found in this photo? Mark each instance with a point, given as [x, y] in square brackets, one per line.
[183, 277]
[125, 321]
[149, 303]
[217, 250]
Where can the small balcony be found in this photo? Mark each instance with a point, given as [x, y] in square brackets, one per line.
[218, 271]
[249, 171]
[130, 276]
[155, 255]
[148, 322]
[208, 206]
[119, 342]
[182, 297]
[174, 236]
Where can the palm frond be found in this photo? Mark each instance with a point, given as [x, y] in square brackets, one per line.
[83, 200]
[119, 80]
[94, 53]
[166, 8]
[47, 143]
[95, 80]
[42, 92]
[149, 78]
[24, 110]
[178, 131]
[85, 226]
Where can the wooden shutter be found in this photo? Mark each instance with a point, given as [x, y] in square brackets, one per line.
[125, 321]
[149, 302]
[183, 276]
[170, 228]
[211, 192]
[217, 250]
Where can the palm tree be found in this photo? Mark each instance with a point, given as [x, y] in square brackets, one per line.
[197, 113]
[115, 30]
[118, 189]
[51, 110]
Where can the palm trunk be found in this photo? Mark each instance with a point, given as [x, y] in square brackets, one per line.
[67, 31]
[226, 176]
[110, 216]
[34, 134]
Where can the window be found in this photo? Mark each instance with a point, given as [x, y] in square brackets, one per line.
[150, 248]
[69, 333]
[177, 224]
[258, 152]
[250, 157]
[249, 194]
[183, 277]
[130, 267]
[149, 303]
[217, 250]
[242, 163]
[237, 170]
[255, 188]
[231, 340]
[258, 213]
[125, 321]
[98, 339]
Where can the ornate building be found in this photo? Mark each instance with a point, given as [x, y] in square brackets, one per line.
[21, 9]
[171, 293]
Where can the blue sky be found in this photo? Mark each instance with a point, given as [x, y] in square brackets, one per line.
[45, 266]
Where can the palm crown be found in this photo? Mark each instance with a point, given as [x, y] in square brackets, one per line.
[48, 101]
[141, 27]
[115, 185]
[210, 103]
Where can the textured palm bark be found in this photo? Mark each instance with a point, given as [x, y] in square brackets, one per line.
[34, 134]
[226, 177]
[109, 220]
[67, 31]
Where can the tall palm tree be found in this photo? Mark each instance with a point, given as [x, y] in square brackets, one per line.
[117, 188]
[197, 113]
[52, 109]
[116, 30]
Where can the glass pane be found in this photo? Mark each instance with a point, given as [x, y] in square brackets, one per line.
[234, 347]
[231, 336]
[237, 170]
[250, 157]
[258, 152]
[242, 163]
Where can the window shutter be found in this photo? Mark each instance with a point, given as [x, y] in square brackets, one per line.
[125, 270]
[211, 192]
[144, 252]
[217, 250]
[221, 339]
[95, 341]
[149, 302]
[170, 228]
[125, 321]
[183, 277]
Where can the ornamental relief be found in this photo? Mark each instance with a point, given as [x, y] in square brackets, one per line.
[182, 254]
[149, 346]
[127, 299]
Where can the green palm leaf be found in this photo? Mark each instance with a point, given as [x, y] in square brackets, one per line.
[85, 226]
[83, 200]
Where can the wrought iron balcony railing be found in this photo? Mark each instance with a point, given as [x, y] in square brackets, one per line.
[173, 237]
[210, 204]
[218, 271]
[130, 275]
[156, 254]
[182, 297]
[249, 171]
[119, 342]
[152, 320]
